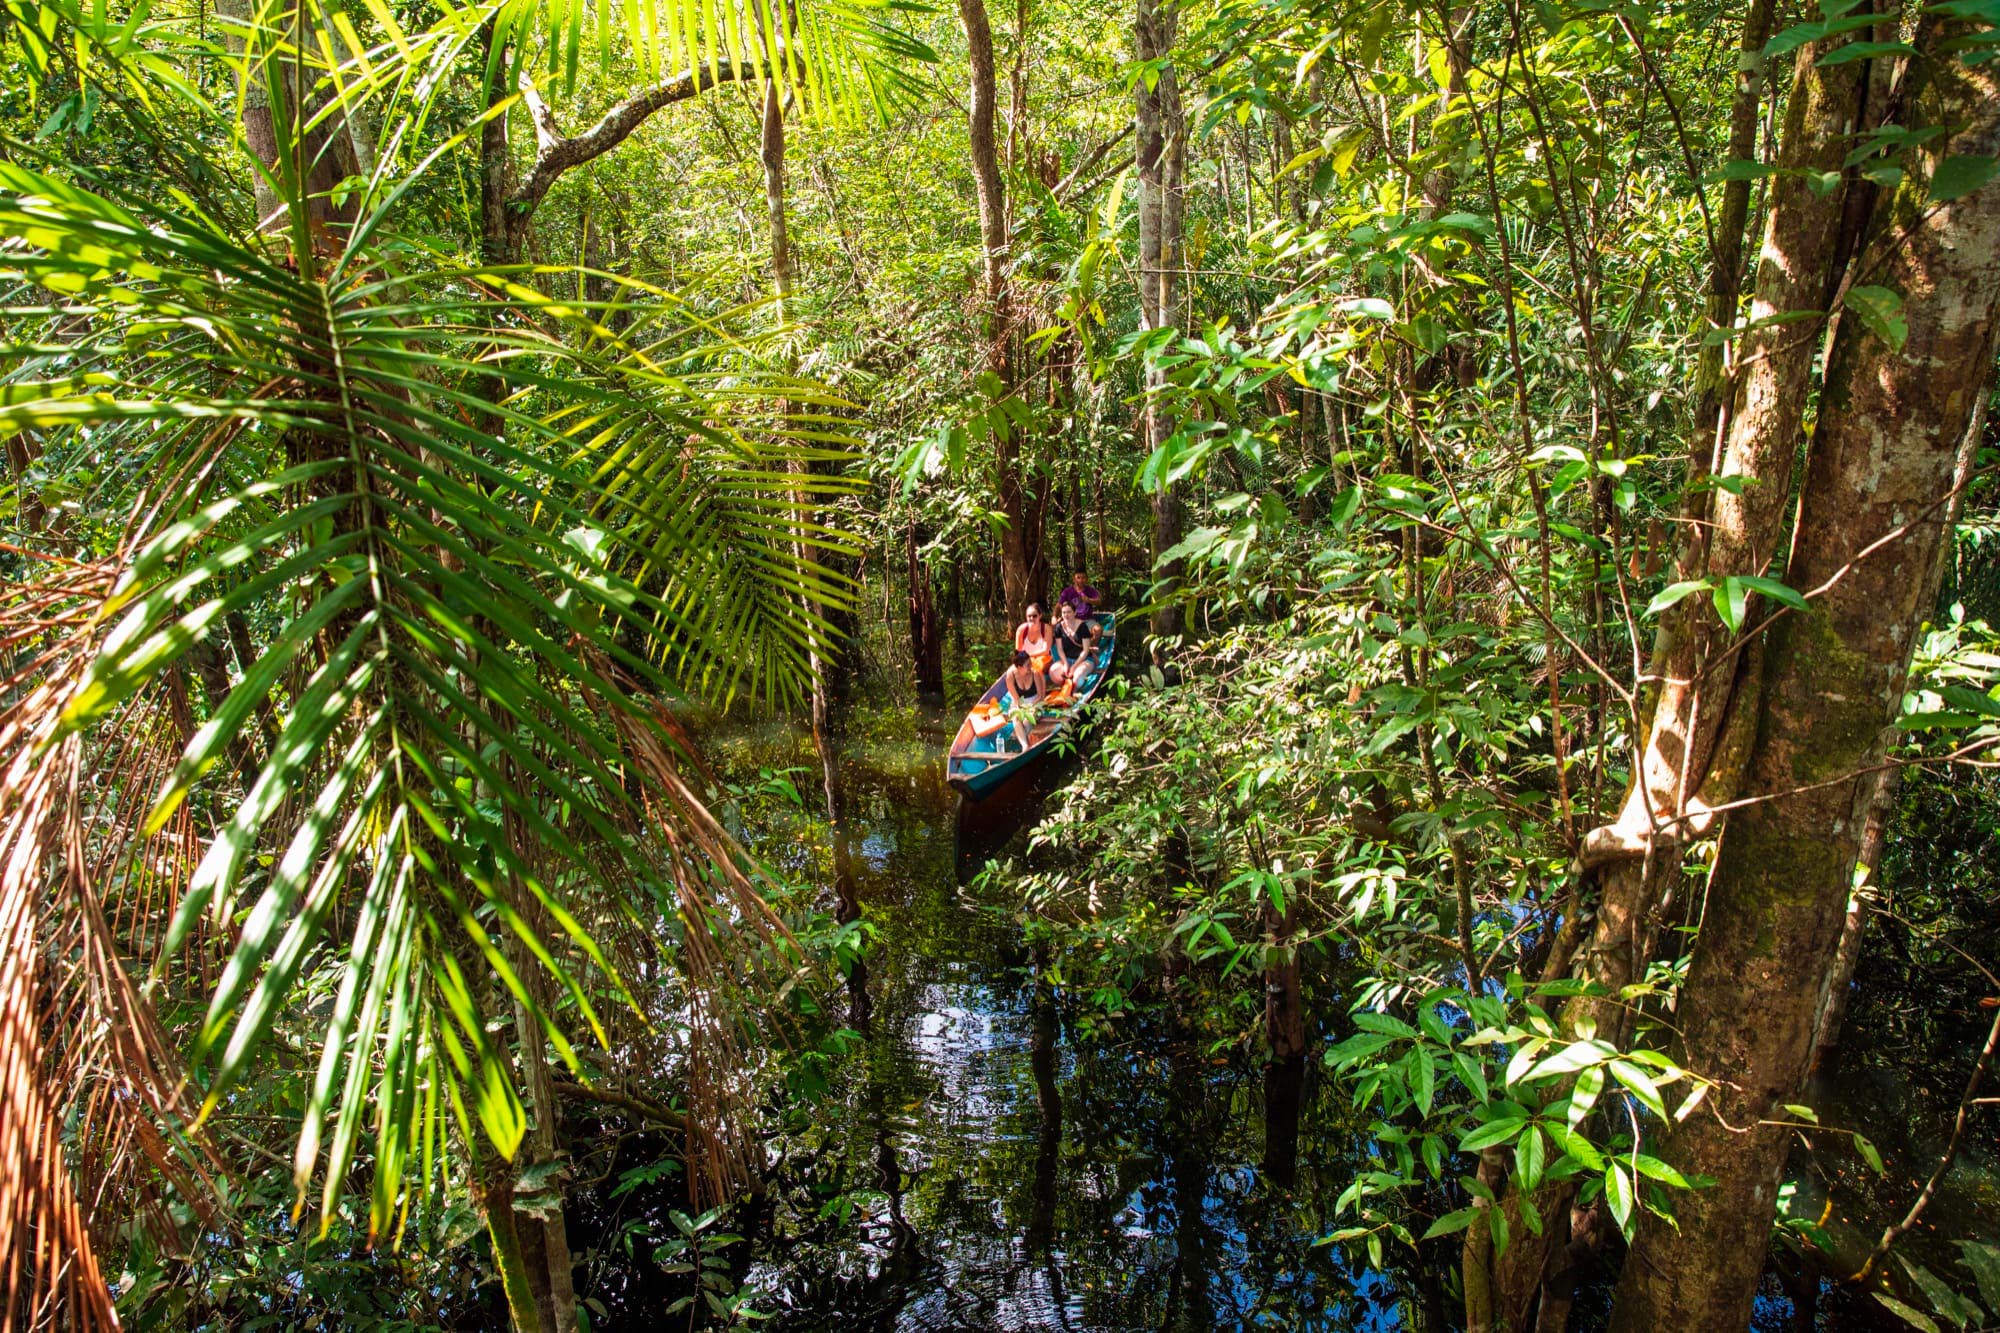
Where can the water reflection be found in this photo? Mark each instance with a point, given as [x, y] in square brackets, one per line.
[975, 1168]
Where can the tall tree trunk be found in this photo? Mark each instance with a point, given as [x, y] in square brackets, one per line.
[1891, 424]
[926, 631]
[278, 101]
[1161, 129]
[1021, 540]
[1705, 712]
[772, 154]
[1725, 273]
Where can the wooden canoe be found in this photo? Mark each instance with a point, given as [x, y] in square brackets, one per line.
[978, 763]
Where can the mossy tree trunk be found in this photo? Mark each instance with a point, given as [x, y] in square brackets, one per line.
[1700, 717]
[1879, 479]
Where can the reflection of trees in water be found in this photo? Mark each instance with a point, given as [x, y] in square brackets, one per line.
[1006, 1177]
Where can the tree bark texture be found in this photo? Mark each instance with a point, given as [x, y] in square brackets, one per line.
[1694, 755]
[926, 630]
[320, 157]
[1882, 805]
[1878, 485]
[1704, 712]
[1162, 148]
[1021, 540]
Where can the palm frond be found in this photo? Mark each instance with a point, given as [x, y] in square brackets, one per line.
[454, 762]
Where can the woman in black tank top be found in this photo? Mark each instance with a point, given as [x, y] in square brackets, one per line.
[1075, 642]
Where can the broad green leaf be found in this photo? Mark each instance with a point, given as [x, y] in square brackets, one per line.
[1655, 1169]
[1881, 312]
[1774, 590]
[1908, 1314]
[1731, 599]
[1370, 1021]
[1619, 1195]
[1639, 1085]
[1984, 1262]
[1451, 1223]
[1584, 1096]
[1960, 175]
[1674, 592]
[1530, 1153]
[1577, 1055]
[1492, 1133]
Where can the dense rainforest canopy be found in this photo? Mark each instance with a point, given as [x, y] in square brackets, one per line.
[1539, 455]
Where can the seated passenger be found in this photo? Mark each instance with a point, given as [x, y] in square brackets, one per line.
[1080, 595]
[1025, 691]
[1033, 638]
[1075, 646]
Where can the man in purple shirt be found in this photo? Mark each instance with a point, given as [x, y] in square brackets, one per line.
[1081, 596]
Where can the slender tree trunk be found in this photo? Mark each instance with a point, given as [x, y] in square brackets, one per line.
[772, 155]
[1882, 805]
[1076, 519]
[275, 131]
[1891, 424]
[497, 1200]
[926, 636]
[1832, 1014]
[23, 449]
[1162, 161]
[1725, 275]
[1021, 540]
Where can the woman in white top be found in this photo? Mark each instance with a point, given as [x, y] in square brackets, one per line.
[1034, 638]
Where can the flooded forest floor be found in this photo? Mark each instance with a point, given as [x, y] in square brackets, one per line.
[977, 1165]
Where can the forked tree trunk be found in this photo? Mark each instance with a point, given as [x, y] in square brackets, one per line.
[1706, 707]
[1878, 485]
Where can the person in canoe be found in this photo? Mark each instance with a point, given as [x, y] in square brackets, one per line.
[1026, 691]
[1075, 645]
[1034, 638]
[1080, 595]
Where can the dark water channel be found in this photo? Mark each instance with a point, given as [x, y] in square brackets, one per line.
[976, 1168]
[996, 1175]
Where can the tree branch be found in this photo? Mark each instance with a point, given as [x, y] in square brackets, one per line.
[1089, 163]
[548, 135]
[556, 154]
[645, 1108]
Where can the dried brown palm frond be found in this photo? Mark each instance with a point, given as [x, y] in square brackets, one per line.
[730, 940]
[89, 1082]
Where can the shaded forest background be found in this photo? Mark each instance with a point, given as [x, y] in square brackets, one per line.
[1546, 445]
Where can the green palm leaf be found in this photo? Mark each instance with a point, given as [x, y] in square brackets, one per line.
[464, 771]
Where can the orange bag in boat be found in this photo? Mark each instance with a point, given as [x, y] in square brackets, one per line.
[1040, 661]
[1061, 695]
[986, 723]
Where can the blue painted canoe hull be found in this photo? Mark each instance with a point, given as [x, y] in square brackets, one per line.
[975, 766]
